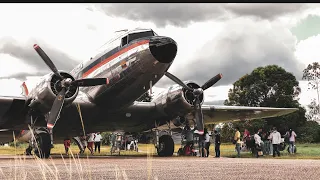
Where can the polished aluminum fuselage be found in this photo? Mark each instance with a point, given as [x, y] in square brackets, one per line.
[130, 74]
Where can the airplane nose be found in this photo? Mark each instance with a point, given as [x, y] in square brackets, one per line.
[163, 49]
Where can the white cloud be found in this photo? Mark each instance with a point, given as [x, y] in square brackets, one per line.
[10, 65]
[307, 51]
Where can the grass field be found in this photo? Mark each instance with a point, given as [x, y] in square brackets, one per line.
[304, 151]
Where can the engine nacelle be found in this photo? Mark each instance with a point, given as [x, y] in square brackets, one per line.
[45, 92]
[177, 100]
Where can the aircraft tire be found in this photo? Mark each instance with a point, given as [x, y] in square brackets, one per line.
[44, 144]
[166, 146]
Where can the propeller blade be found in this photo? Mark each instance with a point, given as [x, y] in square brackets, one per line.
[56, 108]
[199, 116]
[47, 60]
[211, 82]
[177, 80]
[90, 82]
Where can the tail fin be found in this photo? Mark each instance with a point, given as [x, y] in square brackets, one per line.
[25, 91]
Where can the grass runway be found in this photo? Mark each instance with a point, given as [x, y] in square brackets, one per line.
[304, 151]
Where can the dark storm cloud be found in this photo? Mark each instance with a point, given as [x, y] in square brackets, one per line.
[265, 10]
[183, 14]
[28, 55]
[238, 49]
[164, 13]
[23, 76]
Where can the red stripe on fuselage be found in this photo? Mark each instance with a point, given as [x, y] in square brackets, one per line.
[113, 56]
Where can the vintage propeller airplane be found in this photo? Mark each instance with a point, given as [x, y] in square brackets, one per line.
[105, 88]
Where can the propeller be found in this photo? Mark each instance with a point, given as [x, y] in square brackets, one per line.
[65, 83]
[196, 92]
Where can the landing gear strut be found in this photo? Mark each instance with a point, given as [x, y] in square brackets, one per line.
[40, 141]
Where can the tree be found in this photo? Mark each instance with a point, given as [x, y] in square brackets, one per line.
[146, 97]
[269, 86]
[313, 113]
[312, 74]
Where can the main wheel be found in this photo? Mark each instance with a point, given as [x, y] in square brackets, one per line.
[43, 147]
[166, 146]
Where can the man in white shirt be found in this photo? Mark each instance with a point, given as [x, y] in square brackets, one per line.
[97, 142]
[275, 137]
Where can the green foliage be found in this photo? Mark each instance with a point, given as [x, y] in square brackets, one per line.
[269, 86]
[313, 114]
[309, 132]
[266, 86]
[18, 144]
[105, 138]
[312, 74]
[227, 133]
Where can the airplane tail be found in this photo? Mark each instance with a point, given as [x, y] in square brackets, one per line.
[24, 89]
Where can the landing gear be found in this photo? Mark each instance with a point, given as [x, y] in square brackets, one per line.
[40, 140]
[43, 146]
[164, 144]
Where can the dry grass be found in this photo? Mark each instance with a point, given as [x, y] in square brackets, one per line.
[305, 151]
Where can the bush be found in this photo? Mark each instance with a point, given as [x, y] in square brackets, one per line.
[309, 132]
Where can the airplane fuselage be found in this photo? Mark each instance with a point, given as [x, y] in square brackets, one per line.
[130, 69]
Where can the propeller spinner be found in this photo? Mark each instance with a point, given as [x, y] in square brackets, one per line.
[65, 83]
[197, 92]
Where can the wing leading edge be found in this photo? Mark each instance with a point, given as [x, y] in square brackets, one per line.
[217, 114]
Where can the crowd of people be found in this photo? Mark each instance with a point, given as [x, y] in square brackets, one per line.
[264, 143]
[87, 141]
[117, 140]
[260, 143]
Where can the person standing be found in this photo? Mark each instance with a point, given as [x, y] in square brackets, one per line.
[97, 142]
[237, 137]
[217, 143]
[258, 143]
[207, 142]
[66, 144]
[83, 140]
[90, 142]
[292, 139]
[275, 137]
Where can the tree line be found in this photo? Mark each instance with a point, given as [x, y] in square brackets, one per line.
[273, 86]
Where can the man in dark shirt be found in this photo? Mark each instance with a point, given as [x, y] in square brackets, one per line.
[217, 143]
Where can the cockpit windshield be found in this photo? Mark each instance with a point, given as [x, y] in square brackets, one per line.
[139, 35]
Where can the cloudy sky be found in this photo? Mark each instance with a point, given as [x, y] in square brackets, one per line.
[231, 39]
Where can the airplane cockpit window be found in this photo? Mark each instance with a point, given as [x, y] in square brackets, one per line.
[139, 35]
[124, 41]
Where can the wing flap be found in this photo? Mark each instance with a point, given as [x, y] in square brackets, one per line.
[217, 114]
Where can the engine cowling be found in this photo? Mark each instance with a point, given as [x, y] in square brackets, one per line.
[45, 92]
[177, 101]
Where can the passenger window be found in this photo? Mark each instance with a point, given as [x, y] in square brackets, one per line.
[124, 41]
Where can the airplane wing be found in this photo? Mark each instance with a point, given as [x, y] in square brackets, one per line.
[217, 114]
[11, 108]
